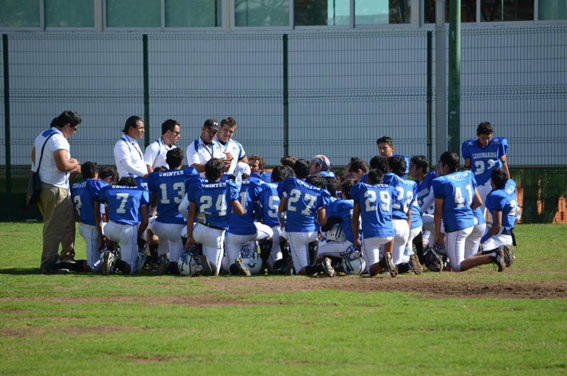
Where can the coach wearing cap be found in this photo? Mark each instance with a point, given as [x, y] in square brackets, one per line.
[204, 148]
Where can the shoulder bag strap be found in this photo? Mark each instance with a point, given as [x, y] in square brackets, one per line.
[41, 155]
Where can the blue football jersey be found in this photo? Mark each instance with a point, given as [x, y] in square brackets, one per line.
[403, 199]
[269, 202]
[511, 192]
[214, 202]
[249, 194]
[343, 210]
[83, 194]
[457, 190]
[425, 193]
[303, 201]
[499, 200]
[416, 220]
[375, 208]
[169, 187]
[484, 159]
[124, 203]
[141, 182]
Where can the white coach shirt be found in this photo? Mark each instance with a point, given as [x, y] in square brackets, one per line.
[48, 172]
[156, 153]
[129, 158]
[235, 149]
[198, 152]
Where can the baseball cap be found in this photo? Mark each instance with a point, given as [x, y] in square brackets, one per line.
[323, 161]
[212, 124]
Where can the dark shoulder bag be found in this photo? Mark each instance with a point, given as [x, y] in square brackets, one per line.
[34, 183]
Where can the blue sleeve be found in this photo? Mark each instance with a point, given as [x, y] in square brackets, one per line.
[473, 180]
[465, 151]
[495, 201]
[232, 191]
[355, 191]
[102, 195]
[503, 149]
[145, 199]
[323, 200]
[152, 182]
[282, 188]
[364, 178]
[257, 189]
[438, 188]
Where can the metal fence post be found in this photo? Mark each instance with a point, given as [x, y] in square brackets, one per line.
[285, 97]
[7, 138]
[429, 96]
[146, 92]
[454, 132]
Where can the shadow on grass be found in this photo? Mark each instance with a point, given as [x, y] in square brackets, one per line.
[20, 271]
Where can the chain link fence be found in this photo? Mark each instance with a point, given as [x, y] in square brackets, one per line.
[303, 93]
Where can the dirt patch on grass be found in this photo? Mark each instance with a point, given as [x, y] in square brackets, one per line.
[201, 301]
[156, 359]
[68, 330]
[424, 285]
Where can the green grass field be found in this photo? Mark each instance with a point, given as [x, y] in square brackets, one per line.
[474, 323]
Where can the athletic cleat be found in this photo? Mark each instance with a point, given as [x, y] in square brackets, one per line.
[497, 257]
[163, 263]
[327, 267]
[243, 268]
[390, 267]
[108, 263]
[415, 265]
[508, 255]
[206, 267]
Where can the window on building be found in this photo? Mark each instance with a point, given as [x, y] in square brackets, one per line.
[380, 12]
[322, 12]
[193, 13]
[506, 10]
[69, 13]
[19, 13]
[133, 13]
[261, 12]
[468, 11]
[552, 10]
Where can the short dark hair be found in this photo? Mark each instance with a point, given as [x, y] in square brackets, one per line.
[174, 158]
[357, 164]
[258, 158]
[127, 181]
[160, 169]
[168, 125]
[385, 140]
[381, 163]
[131, 122]
[346, 187]
[231, 122]
[66, 117]
[108, 172]
[89, 170]
[214, 169]
[420, 162]
[316, 180]
[484, 128]
[451, 160]
[280, 173]
[397, 165]
[288, 160]
[301, 168]
[331, 185]
[499, 178]
[375, 177]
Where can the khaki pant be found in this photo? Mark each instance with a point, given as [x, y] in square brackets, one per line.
[56, 207]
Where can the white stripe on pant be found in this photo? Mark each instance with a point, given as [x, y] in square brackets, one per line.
[212, 240]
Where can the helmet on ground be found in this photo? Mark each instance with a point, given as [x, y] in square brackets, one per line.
[250, 257]
[189, 264]
[353, 261]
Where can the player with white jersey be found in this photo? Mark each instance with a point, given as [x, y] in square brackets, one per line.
[456, 197]
[83, 194]
[211, 207]
[401, 207]
[232, 149]
[128, 218]
[205, 147]
[128, 156]
[269, 203]
[156, 152]
[168, 189]
[302, 203]
[503, 211]
[242, 228]
[483, 155]
[373, 205]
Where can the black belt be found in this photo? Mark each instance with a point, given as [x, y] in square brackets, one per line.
[212, 226]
